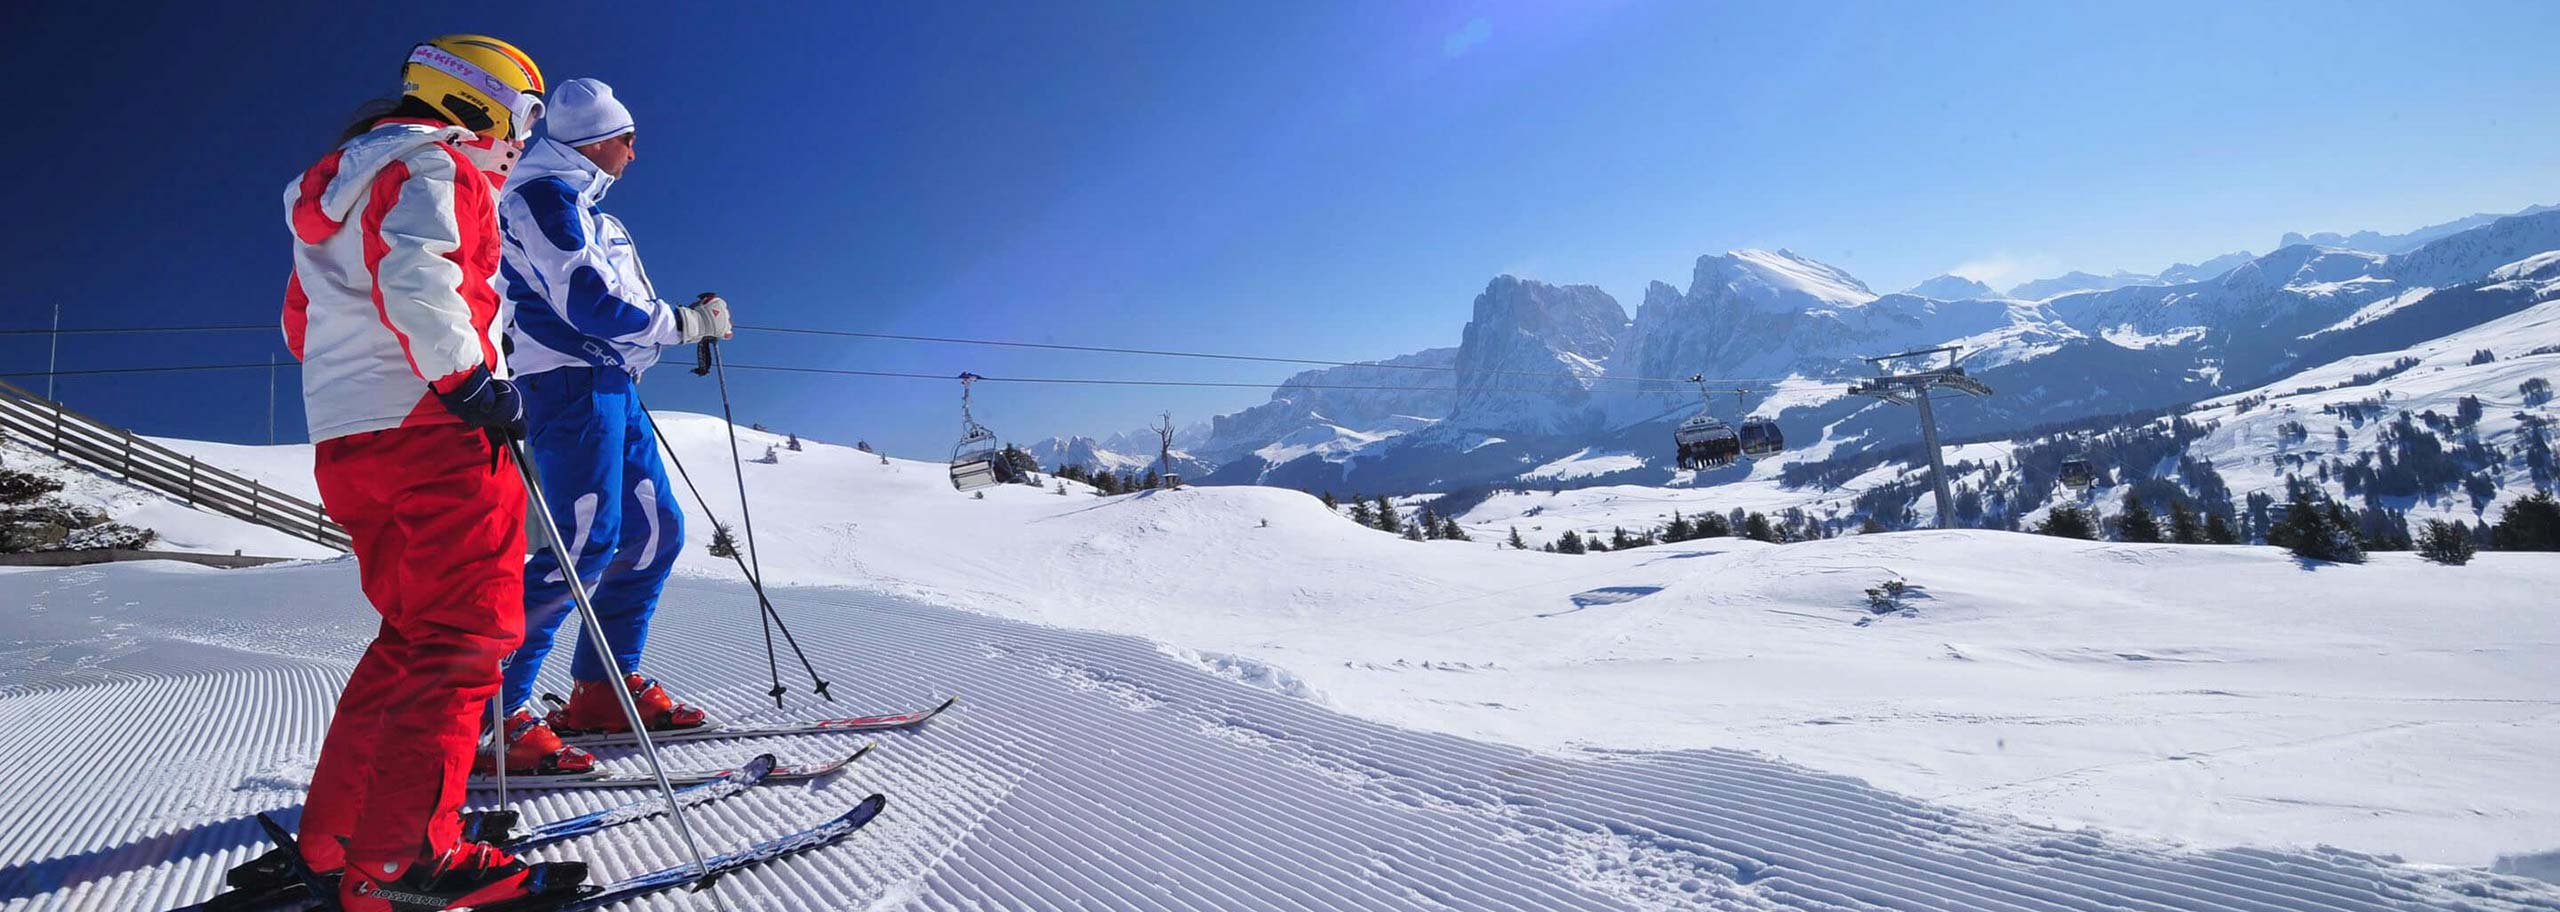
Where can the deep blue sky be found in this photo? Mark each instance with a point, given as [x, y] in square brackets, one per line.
[1309, 180]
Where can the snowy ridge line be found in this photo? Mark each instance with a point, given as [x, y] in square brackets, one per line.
[1091, 771]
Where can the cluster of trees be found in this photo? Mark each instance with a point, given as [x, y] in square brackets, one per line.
[1377, 513]
[1107, 482]
[2315, 525]
[32, 519]
[1792, 525]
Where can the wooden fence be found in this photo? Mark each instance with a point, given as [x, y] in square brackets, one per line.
[82, 440]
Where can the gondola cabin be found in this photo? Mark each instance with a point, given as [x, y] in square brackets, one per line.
[1705, 442]
[2077, 474]
[1760, 437]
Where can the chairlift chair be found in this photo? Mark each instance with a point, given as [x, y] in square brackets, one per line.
[974, 459]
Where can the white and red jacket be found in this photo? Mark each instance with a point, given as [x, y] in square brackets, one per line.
[396, 238]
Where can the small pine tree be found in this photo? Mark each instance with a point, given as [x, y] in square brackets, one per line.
[2531, 524]
[722, 543]
[1450, 531]
[1429, 522]
[1709, 525]
[2218, 530]
[1413, 532]
[2316, 527]
[2068, 521]
[1516, 542]
[1679, 529]
[1388, 521]
[1360, 513]
[2136, 524]
[2445, 543]
[2183, 527]
[1867, 525]
[1619, 540]
[1570, 543]
[1330, 503]
[1756, 527]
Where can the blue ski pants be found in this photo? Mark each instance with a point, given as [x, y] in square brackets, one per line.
[608, 493]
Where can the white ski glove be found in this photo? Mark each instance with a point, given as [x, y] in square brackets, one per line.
[706, 318]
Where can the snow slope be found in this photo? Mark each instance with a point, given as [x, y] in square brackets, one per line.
[1083, 771]
[1630, 729]
[181, 527]
[1469, 640]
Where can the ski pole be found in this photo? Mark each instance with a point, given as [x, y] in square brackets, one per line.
[710, 351]
[595, 634]
[498, 737]
[773, 616]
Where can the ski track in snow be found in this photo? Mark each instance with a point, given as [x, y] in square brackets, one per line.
[1085, 770]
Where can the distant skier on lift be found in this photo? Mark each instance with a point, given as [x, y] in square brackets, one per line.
[587, 323]
[391, 310]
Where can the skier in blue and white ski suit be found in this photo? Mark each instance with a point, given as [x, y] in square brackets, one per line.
[586, 322]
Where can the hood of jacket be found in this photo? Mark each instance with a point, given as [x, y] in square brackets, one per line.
[552, 158]
[325, 195]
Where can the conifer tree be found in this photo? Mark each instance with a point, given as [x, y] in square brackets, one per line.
[1569, 543]
[2068, 521]
[1619, 540]
[1709, 525]
[2183, 527]
[1677, 530]
[1428, 523]
[2445, 543]
[2316, 527]
[2218, 530]
[1867, 525]
[2136, 524]
[722, 543]
[2531, 524]
[1360, 513]
[1756, 527]
[1388, 521]
[1330, 503]
[1516, 542]
[1450, 531]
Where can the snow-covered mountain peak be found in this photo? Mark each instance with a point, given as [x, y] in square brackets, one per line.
[1780, 277]
[1952, 288]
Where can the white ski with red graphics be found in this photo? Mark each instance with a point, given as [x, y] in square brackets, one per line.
[610, 779]
[757, 729]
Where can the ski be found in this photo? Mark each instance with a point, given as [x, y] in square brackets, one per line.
[268, 884]
[610, 779]
[599, 896]
[757, 730]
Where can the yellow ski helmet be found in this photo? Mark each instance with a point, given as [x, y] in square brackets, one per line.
[484, 84]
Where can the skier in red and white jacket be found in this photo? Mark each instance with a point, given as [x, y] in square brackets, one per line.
[391, 309]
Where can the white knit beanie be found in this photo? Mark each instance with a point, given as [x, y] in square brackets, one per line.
[583, 111]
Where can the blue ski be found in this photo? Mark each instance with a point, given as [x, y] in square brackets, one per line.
[817, 837]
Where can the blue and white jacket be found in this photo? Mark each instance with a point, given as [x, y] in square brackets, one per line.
[572, 280]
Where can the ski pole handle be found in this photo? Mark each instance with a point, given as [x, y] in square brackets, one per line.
[702, 357]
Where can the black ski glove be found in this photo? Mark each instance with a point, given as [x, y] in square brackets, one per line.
[490, 404]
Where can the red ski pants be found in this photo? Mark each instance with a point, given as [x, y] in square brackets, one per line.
[439, 540]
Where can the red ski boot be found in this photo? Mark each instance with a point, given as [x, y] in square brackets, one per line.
[533, 749]
[469, 874]
[593, 708]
